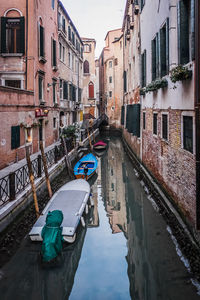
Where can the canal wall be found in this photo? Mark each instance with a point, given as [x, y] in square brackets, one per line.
[160, 194]
[13, 208]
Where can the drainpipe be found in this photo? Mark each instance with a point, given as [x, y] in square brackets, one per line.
[26, 44]
[197, 109]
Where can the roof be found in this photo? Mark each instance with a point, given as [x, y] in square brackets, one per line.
[112, 31]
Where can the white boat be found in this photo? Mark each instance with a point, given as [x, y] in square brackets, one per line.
[72, 199]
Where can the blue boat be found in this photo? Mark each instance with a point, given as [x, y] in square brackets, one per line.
[86, 166]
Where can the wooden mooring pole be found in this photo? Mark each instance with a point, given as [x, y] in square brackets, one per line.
[67, 160]
[45, 169]
[31, 177]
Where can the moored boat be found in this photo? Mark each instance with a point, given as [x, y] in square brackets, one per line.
[100, 145]
[86, 166]
[71, 199]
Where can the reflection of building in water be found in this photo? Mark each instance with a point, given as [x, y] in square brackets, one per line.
[114, 193]
[94, 218]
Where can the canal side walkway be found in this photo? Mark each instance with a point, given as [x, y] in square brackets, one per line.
[10, 210]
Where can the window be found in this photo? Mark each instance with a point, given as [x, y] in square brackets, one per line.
[15, 137]
[110, 79]
[65, 90]
[110, 64]
[155, 123]
[40, 88]
[86, 68]
[53, 4]
[164, 49]
[143, 69]
[54, 62]
[69, 33]
[91, 90]
[79, 94]
[41, 41]
[13, 83]
[183, 31]
[165, 127]
[54, 92]
[73, 38]
[154, 58]
[28, 135]
[125, 82]
[61, 89]
[87, 48]
[63, 24]
[12, 35]
[69, 59]
[144, 120]
[59, 21]
[54, 123]
[116, 61]
[61, 52]
[188, 133]
[110, 94]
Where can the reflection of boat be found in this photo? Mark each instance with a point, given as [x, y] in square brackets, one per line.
[99, 145]
[99, 153]
[71, 199]
[86, 166]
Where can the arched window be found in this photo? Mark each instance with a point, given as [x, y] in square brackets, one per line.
[86, 68]
[91, 90]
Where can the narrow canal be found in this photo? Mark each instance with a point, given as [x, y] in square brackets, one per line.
[125, 252]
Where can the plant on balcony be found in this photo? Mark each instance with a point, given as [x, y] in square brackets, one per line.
[180, 73]
[69, 131]
[157, 84]
[142, 91]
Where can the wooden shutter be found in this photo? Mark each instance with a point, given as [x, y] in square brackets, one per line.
[183, 32]
[122, 114]
[135, 119]
[192, 26]
[41, 41]
[54, 53]
[157, 56]
[128, 116]
[153, 59]
[15, 137]
[167, 46]
[163, 51]
[65, 90]
[125, 84]
[3, 34]
[22, 35]
[91, 90]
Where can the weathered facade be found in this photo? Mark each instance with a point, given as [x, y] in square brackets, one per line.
[166, 141]
[111, 69]
[35, 51]
[89, 78]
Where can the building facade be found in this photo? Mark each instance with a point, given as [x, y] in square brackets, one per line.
[34, 72]
[89, 78]
[110, 76]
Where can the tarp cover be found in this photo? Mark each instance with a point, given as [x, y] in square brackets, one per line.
[52, 235]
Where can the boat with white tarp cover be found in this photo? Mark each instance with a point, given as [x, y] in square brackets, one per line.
[72, 199]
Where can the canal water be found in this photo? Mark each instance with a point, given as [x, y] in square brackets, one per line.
[126, 250]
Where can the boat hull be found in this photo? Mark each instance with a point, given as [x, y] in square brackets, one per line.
[86, 167]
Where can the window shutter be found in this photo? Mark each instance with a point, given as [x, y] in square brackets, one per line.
[122, 115]
[135, 119]
[3, 35]
[128, 117]
[54, 53]
[125, 84]
[15, 137]
[183, 32]
[163, 51]
[192, 25]
[41, 41]
[167, 46]
[65, 90]
[69, 33]
[22, 36]
[157, 55]
[153, 59]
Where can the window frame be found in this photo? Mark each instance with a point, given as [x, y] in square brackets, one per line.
[188, 114]
[162, 128]
[155, 124]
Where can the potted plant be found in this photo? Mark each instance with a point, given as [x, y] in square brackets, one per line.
[180, 73]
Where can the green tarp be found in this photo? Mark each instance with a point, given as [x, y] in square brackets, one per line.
[52, 235]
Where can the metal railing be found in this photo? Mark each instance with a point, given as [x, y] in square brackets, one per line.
[15, 182]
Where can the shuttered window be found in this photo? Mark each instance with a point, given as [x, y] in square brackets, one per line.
[153, 58]
[15, 137]
[163, 56]
[155, 123]
[183, 31]
[91, 90]
[188, 133]
[79, 94]
[165, 127]
[143, 69]
[125, 82]
[133, 119]
[65, 90]
[86, 67]
[54, 62]
[12, 35]
[41, 41]
[122, 115]
[144, 120]
[69, 33]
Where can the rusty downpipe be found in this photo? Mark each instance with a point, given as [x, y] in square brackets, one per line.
[197, 109]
